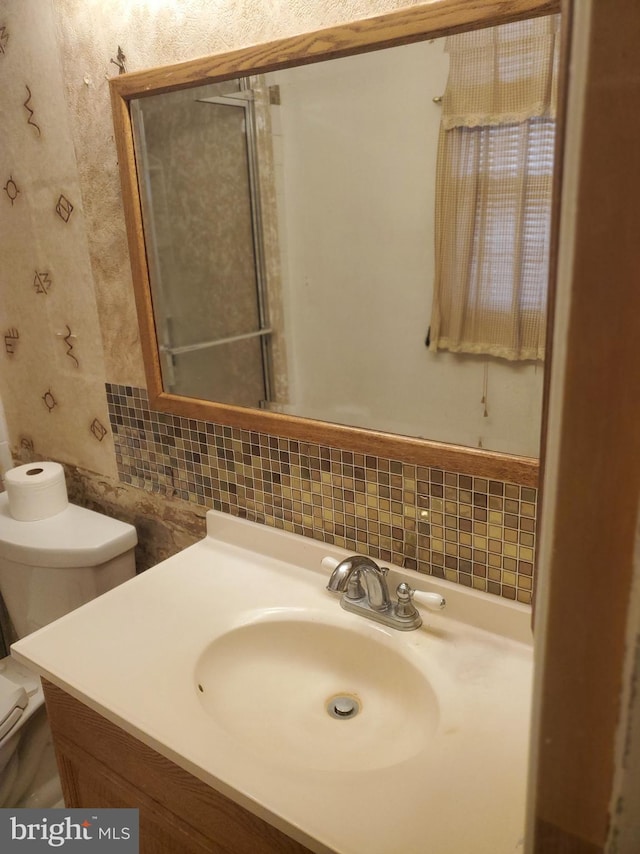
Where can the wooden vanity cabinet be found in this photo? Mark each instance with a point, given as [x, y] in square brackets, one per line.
[103, 766]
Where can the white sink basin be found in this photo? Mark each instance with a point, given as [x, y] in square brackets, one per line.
[275, 683]
[435, 759]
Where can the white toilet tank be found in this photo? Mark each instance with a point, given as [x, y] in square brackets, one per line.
[50, 567]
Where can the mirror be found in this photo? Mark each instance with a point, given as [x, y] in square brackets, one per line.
[290, 269]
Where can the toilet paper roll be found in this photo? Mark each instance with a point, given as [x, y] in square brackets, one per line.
[36, 491]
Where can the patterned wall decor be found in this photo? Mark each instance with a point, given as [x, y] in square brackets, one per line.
[70, 347]
[49, 400]
[31, 111]
[64, 208]
[11, 189]
[11, 338]
[470, 530]
[42, 283]
[120, 61]
[51, 365]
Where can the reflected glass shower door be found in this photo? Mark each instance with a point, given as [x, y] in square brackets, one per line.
[202, 233]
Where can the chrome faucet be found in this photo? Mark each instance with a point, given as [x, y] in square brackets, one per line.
[364, 589]
[348, 576]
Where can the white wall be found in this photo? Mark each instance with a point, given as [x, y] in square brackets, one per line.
[355, 141]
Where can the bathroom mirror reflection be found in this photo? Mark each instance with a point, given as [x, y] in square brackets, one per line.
[289, 222]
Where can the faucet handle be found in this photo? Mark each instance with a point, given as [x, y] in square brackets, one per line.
[433, 601]
[329, 562]
[405, 607]
[406, 614]
[407, 595]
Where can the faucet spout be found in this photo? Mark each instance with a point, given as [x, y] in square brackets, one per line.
[348, 578]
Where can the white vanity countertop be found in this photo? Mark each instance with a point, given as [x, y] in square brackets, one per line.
[131, 655]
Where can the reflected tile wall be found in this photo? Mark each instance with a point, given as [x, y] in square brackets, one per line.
[469, 530]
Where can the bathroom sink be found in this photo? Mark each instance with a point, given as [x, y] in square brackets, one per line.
[317, 695]
[234, 661]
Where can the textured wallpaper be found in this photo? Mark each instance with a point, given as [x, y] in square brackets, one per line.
[52, 371]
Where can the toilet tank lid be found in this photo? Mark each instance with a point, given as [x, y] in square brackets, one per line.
[74, 537]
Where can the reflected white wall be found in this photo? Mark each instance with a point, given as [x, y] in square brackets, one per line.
[355, 147]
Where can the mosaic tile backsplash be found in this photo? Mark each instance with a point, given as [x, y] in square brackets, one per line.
[469, 530]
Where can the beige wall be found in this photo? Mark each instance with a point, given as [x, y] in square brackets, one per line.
[53, 367]
[66, 282]
[64, 51]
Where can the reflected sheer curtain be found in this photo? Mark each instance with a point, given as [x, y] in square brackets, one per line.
[493, 191]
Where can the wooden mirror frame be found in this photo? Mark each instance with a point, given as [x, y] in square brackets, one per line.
[417, 23]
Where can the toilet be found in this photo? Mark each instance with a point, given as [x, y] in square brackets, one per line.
[47, 568]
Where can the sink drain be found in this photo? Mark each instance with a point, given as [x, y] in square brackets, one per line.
[343, 707]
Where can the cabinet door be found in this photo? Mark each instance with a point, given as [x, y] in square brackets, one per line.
[103, 766]
[89, 784]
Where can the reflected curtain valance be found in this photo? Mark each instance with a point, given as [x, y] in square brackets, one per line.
[493, 191]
